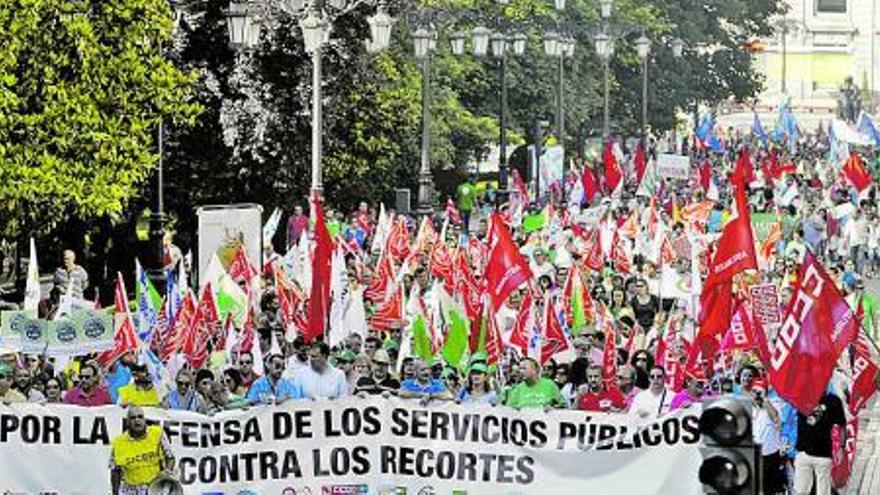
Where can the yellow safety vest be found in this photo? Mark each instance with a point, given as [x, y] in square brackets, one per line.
[140, 459]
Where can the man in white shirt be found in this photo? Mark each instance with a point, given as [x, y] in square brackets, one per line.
[766, 429]
[319, 379]
[648, 405]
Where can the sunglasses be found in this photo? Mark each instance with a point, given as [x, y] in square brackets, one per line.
[246, 363]
[656, 377]
[52, 387]
[184, 384]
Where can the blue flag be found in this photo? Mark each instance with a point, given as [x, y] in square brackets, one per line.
[868, 128]
[758, 131]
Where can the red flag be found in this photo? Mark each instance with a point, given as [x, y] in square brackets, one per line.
[744, 171]
[204, 326]
[716, 311]
[706, 175]
[613, 174]
[619, 254]
[241, 268]
[319, 300]
[844, 455]
[554, 340]
[817, 325]
[595, 257]
[740, 335]
[174, 340]
[640, 161]
[246, 338]
[591, 184]
[609, 352]
[382, 279]
[854, 170]
[452, 212]
[525, 324]
[736, 247]
[760, 337]
[398, 244]
[125, 338]
[440, 264]
[864, 374]
[506, 269]
[390, 312]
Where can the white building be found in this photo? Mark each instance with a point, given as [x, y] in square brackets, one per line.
[824, 42]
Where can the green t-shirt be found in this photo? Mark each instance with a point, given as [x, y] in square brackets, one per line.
[542, 394]
[467, 193]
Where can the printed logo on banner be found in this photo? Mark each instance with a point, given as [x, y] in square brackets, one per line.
[65, 331]
[393, 490]
[427, 490]
[94, 327]
[293, 491]
[345, 490]
[33, 331]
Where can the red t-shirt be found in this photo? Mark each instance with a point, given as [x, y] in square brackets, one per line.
[602, 401]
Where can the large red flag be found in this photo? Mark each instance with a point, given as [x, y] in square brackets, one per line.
[854, 170]
[613, 174]
[864, 371]
[506, 269]
[554, 340]
[241, 267]
[609, 352]
[744, 171]
[125, 338]
[319, 300]
[640, 161]
[817, 325]
[736, 247]
[591, 184]
[204, 325]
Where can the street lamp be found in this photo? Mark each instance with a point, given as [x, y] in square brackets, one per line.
[677, 48]
[643, 48]
[315, 21]
[605, 49]
[605, 8]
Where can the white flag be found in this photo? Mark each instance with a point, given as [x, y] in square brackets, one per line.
[32, 290]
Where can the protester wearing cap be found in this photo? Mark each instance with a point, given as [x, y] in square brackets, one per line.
[89, 392]
[344, 361]
[534, 391]
[378, 380]
[8, 395]
[140, 392]
[321, 380]
[477, 389]
[273, 388]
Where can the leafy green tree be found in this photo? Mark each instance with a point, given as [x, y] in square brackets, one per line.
[83, 88]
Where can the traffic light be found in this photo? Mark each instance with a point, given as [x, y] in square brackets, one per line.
[731, 459]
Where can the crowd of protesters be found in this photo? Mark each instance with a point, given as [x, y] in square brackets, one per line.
[825, 214]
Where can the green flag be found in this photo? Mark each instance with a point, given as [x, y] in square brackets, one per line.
[421, 340]
[453, 350]
[231, 299]
[579, 318]
[534, 222]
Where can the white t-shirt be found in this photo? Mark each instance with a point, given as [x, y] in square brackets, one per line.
[648, 406]
[329, 384]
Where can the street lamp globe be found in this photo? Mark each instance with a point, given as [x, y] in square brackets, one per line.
[559, 4]
[499, 44]
[551, 44]
[380, 29]
[238, 20]
[677, 47]
[568, 47]
[432, 41]
[421, 42]
[336, 4]
[315, 31]
[604, 47]
[605, 8]
[481, 40]
[457, 39]
[252, 36]
[519, 43]
[643, 47]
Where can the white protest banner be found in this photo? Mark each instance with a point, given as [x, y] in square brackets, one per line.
[765, 304]
[376, 445]
[673, 166]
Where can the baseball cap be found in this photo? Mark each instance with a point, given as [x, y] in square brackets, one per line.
[479, 368]
[345, 356]
[381, 356]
